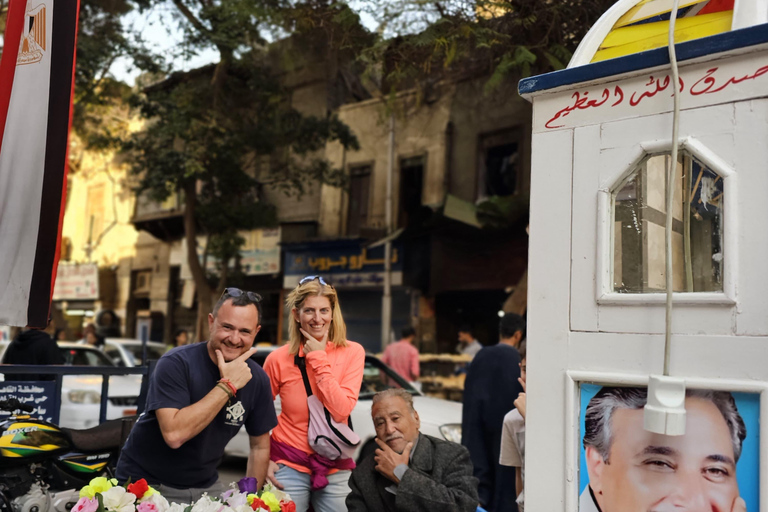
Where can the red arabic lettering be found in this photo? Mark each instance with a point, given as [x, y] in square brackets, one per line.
[660, 86]
[708, 81]
[618, 92]
[582, 103]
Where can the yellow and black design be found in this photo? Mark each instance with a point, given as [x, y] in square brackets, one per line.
[34, 38]
[25, 439]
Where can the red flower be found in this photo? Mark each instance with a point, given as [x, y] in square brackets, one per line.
[258, 504]
[138, 488]
[287, 506]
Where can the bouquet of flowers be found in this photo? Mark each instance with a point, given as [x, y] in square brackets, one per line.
[104, 495]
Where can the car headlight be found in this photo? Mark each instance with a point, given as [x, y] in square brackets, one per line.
[451, 432]
[84, 396]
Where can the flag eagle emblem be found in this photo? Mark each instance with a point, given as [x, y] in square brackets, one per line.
[33, 42]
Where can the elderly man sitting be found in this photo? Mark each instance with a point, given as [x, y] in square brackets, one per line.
[410, 472]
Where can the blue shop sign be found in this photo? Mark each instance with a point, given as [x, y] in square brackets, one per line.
[345, 264]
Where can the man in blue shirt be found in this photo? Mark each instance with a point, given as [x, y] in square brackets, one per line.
[490, 391]
[199, 396]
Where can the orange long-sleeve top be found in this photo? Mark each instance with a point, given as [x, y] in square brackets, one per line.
[335, 376]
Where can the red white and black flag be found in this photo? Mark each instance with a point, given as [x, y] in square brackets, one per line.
[36, 86]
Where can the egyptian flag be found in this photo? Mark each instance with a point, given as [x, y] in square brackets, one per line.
[36, 86]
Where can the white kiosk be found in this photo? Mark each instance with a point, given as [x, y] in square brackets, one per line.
[602, 139]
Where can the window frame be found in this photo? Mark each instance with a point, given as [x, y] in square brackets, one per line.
[605, 230]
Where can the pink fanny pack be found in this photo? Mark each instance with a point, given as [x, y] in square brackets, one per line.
[326, 436]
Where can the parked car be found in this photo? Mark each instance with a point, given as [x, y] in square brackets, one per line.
[439, 418]
[81, 394]
[128, 352]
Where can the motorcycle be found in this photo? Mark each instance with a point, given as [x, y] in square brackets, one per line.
[43, 466]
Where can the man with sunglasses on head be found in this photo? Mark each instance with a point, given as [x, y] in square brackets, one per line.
[199, 397]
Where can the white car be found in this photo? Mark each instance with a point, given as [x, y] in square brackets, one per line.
[439, 418]
[129, 352]
[81, 394]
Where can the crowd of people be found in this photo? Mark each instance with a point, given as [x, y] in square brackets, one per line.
[201, 394]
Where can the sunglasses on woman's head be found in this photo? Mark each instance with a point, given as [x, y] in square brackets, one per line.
[237, 292]
[312, 278]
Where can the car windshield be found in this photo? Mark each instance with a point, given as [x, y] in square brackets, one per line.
[377, 376]
[85, 357]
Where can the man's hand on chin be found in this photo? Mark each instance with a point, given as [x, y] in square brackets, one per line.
[388, 459]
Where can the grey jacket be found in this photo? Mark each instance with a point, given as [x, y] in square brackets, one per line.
[438, 478]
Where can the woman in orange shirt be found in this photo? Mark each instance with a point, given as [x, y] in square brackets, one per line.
[335, 369]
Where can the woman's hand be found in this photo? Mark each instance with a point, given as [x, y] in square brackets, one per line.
[271, 470]
[311, 344]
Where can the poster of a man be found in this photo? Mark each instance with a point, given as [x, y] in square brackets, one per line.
[625, 468]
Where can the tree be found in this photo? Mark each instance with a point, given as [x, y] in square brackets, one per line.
[221, 133]
[433, 40]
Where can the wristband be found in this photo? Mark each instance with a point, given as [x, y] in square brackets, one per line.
[229, 385]
[221, 386]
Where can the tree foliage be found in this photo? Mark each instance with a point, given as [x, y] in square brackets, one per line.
[450, 39]
[222, 133]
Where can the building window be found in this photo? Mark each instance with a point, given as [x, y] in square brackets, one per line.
[499, 163]
[359, 192]
[411, 212]
[639, 217]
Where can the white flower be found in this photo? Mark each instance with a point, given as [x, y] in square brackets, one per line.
[158, 501]
[117, 499]
[177, 507]
[206, 504]
[236, 499]
[243, 508]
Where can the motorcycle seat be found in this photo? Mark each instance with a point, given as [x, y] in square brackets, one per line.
[110, 435]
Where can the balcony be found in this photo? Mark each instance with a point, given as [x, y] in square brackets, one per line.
[163, 220]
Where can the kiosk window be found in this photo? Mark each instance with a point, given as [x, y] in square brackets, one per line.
[639, 217]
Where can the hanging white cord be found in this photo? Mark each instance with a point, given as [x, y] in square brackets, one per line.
[671, 175]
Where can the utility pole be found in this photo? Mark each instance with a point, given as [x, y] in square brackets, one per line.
[386, 301]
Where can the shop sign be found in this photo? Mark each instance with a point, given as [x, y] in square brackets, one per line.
[39, 394]
[77, 282]
[343, 264]
[259, 255]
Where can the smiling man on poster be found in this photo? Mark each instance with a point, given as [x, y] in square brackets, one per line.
[634, 470]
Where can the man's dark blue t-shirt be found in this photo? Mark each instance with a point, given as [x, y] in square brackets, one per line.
[183, 377]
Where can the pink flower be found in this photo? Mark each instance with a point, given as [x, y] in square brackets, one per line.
[86, 505]
[146, 506]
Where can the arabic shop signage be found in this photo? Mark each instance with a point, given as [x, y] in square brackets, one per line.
[76, 282]
[708, 83]
[344, 264]
[39, 394]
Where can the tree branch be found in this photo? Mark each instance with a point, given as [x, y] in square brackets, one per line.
[191, 17]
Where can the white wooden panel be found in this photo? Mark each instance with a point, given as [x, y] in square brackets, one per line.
[752, 169]
[584, 223]
[720, 357]
[705, 356]
[700, 123]
[621, 146]
[698, 319]
[548, 298]
[616, 353]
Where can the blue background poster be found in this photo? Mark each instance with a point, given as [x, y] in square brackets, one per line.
[748, 466]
